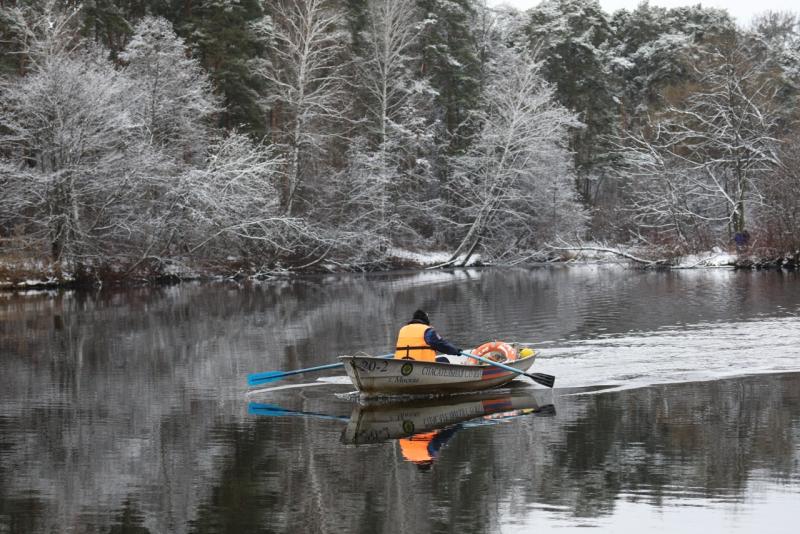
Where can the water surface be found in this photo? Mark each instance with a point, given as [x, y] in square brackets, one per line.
[678, 407]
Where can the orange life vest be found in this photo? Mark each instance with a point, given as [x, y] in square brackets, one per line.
[415, 448]
[411, 344]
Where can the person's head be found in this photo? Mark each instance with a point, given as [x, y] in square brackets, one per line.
[421, 316]
[526, 352]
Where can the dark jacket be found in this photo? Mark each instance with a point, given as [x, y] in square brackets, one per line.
[437, 342]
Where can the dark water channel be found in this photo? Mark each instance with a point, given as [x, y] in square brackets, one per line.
[677, 407]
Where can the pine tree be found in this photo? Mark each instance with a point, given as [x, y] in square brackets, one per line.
[222, 34]
[178, 98]
[451, 64]
[573, 38]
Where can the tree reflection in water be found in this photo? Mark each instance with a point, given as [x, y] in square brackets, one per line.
[125, 407]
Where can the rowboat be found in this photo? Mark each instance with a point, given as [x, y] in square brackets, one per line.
[373, 423]
[379, 376]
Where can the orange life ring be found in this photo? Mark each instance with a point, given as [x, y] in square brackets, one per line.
[497, 351]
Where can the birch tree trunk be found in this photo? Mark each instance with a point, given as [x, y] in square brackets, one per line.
[306, 81]
[393, 29]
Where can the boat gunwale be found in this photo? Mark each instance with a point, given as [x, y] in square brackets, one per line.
[396, 361]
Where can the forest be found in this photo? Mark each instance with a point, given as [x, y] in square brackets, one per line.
[144, 138]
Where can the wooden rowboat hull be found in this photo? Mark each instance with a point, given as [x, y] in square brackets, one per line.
[378, 376]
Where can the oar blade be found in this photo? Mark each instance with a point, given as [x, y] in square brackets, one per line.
[543, 379]
[546, 411]
[272, 410]
[258, 408]
[258, 379]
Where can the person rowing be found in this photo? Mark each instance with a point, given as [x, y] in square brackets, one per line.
[417, 340]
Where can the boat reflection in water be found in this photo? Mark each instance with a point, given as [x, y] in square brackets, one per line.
[422, 427]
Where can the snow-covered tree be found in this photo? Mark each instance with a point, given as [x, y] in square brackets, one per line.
[94, 158]
[574, 38]
[306, 81]
[36, 31]
[397, 105]
[778, 216]
[650, 44]
[178, 99]
[775, 42]
[73, 150]
[392, 30]
[703, 158]
[231, 206]
[451, 64]
[513, 187]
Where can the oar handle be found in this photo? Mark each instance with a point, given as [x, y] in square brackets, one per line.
[317, 368]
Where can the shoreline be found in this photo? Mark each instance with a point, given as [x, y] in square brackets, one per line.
[37, 276]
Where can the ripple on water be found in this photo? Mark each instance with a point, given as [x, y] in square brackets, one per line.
[696, 352]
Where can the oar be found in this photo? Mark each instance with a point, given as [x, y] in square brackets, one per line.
[256, 379]
[287, 386]
[540, 378]
[257, 408]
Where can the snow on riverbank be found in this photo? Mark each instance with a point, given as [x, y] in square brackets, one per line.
[21, 275]
[716, 257]
[713, 258]
[30, 274]
[429, 259]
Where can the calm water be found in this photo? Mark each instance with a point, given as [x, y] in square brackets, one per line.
[678, 407]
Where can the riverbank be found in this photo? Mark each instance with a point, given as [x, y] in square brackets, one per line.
[22, 274]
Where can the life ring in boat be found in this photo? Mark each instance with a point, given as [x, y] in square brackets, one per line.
[497, 351]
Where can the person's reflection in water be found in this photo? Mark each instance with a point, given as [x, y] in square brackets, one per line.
[422, 449]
